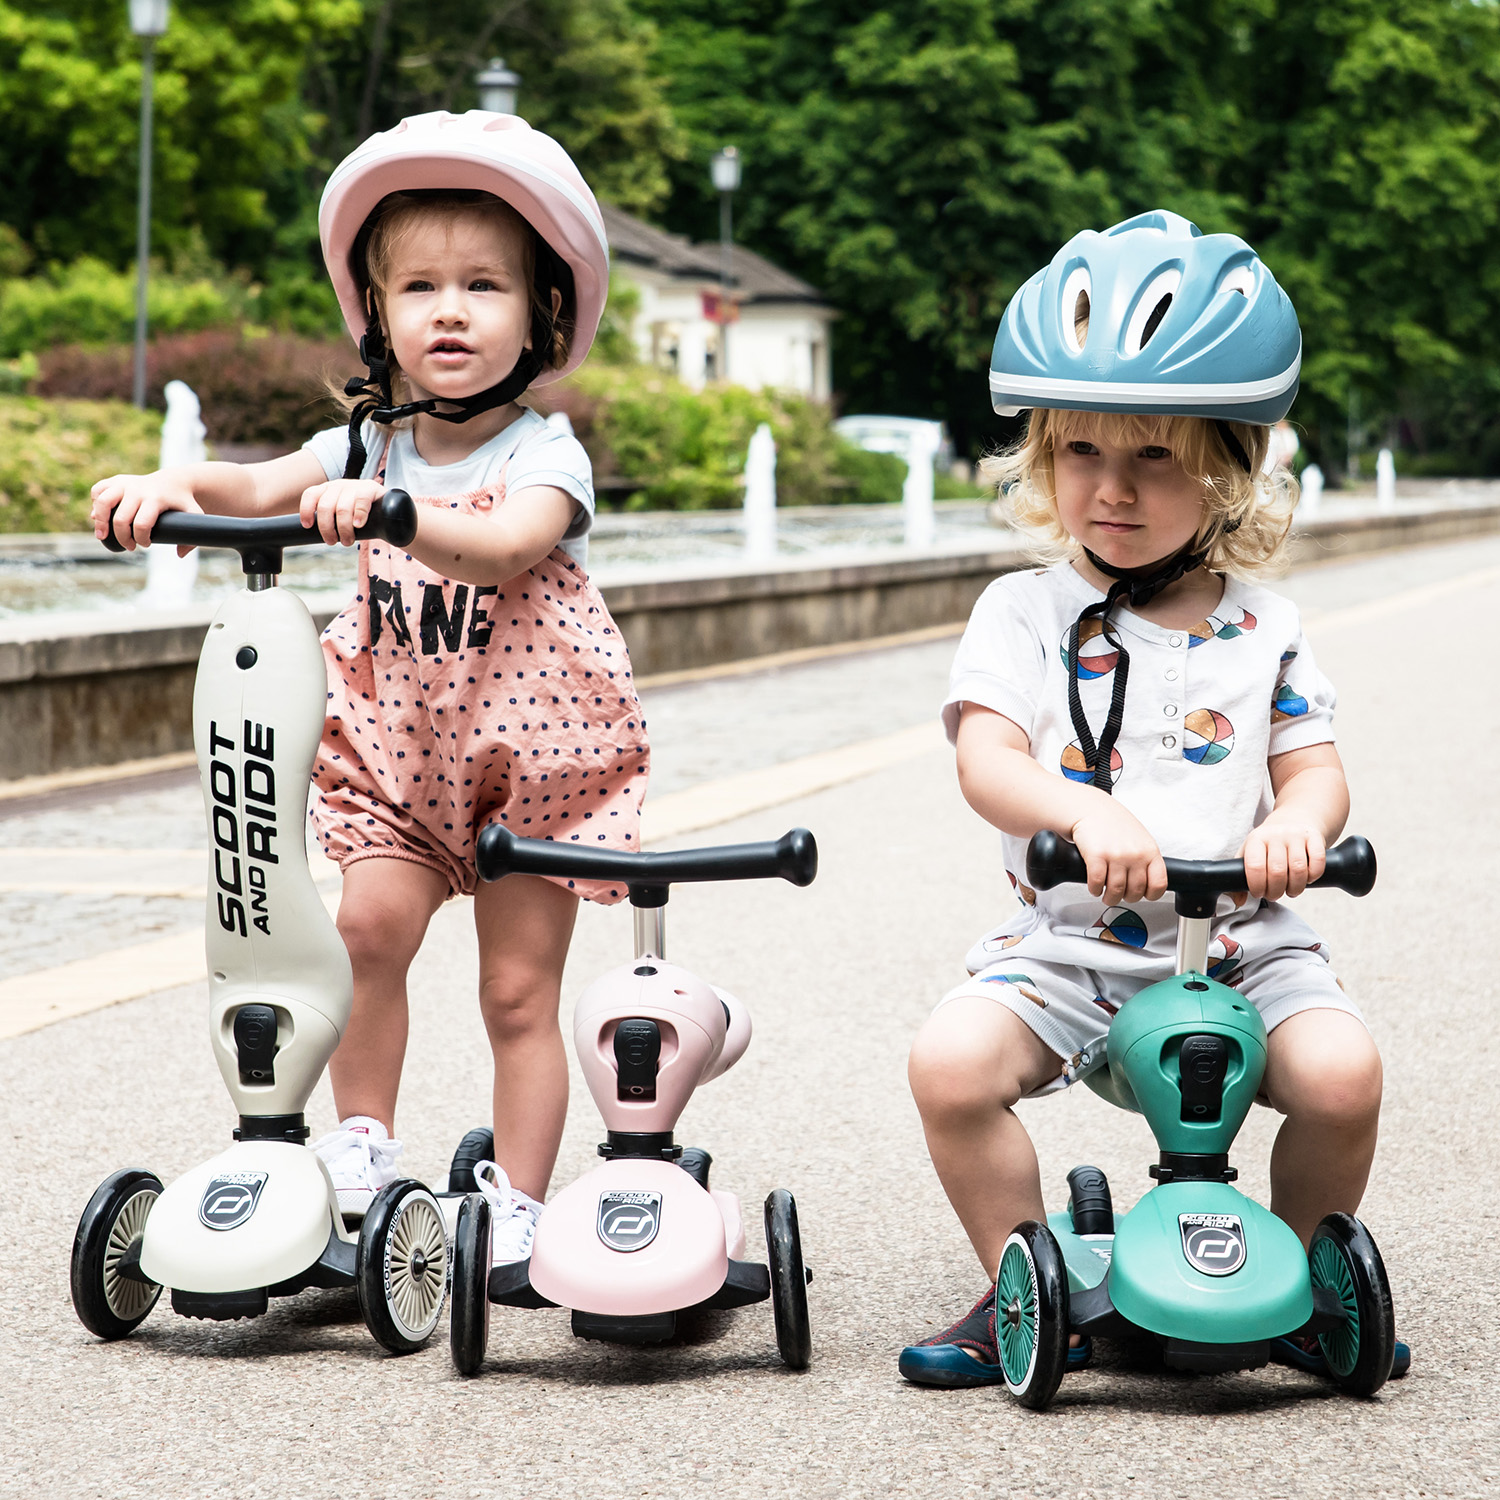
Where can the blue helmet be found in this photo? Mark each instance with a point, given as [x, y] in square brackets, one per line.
[1180, 323]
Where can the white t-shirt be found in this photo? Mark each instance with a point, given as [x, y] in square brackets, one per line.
[530, 451]
[1205, 709]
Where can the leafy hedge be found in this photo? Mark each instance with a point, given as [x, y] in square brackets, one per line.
[52, 451]
[263, 388]
[688, 447]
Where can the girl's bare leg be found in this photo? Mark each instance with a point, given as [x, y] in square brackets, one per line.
[383, 916]
[969, 1064]
[1323, 1073]
[524, 925]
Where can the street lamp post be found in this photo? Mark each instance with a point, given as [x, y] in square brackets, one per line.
[725, 170]
[148, 20]
[498, 87]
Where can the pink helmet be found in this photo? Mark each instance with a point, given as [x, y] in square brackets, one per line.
[499, 154]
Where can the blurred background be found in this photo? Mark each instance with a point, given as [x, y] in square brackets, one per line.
[902, 167]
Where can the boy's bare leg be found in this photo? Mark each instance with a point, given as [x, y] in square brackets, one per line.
[1323, 1073]
[524, 925]
[383, 917]
[969, 1064]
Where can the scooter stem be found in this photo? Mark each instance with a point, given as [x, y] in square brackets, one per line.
[1192, 944]
[650, 931]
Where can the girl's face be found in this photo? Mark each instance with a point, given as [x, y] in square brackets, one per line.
[457, 305]
[1131, 505]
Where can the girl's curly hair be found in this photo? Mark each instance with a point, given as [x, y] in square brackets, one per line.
[1247, 518]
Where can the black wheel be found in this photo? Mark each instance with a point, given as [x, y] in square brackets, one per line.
[107, 1303]
[469, 1320]
[788, 1280]
[401, 1266]
[1031, 1314]
[1343, 1257]
[477, 1146]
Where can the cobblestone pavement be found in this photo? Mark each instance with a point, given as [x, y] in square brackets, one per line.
[838, 977]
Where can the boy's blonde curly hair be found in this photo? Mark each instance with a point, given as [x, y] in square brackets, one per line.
[1247, 518]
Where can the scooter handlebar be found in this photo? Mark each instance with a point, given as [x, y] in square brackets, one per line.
[793, 857]
[392, 519]
[1051, 860]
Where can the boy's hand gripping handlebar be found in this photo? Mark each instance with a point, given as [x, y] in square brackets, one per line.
[1198, 883]
[260, 540]
[794, 857]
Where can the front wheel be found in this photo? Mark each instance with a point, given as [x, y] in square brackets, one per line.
[788, 1280]
[108, 1303]
[401, 1267]
[1031, 1314]
[469, 1321]
[1343, 1257]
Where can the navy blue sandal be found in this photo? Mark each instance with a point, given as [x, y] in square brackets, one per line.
[1307, 1354]
[943, 1359]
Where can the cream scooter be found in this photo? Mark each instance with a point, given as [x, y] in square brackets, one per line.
[261, 1219]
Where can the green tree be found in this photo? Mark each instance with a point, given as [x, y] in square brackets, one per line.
[918, 159]
[230, 123]
[587, 78]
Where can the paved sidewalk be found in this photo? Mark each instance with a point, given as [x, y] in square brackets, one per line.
[838, 977]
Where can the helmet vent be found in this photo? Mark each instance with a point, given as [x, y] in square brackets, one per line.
[1154, 321]
[1075, 306]
[1239, 279]
[1151, 308]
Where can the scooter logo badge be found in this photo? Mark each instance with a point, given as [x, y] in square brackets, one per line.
[629, 1221]
[230, 1200]
[1213, 1243]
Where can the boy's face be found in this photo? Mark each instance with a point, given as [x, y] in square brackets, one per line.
[1131, 504]
[457, 306]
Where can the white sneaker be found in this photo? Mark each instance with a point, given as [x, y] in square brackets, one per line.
[361, 1159]
[513, 1215]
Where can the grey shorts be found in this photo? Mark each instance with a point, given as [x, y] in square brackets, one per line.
[1070, 1008]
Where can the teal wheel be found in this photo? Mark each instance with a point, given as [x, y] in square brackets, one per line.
[1344, 1258]
[1031, 1314]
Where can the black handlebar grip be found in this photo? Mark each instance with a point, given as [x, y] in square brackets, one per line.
[1051, 860]
[392, 519]
[793, 857]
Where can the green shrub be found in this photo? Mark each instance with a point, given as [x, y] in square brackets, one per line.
[688, 447]
[89, 303]
[51, 452]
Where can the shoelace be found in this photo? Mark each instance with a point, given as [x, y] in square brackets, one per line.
[514, 1213]
[333, 1147]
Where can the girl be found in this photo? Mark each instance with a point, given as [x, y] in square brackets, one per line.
[1222, 749]
[478, 676]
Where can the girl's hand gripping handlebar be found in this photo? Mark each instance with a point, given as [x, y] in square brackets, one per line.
[260, 540]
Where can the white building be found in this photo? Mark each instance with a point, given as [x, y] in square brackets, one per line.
[780, 338]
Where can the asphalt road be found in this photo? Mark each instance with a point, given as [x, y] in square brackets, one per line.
[838, 978]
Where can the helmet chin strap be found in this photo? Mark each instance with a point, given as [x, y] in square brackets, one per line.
[379, 406]
[1138, 586]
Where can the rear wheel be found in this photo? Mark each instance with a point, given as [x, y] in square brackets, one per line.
[109, 1304]
[477, 1146]
[1031, 1314]
[402, 1266]
[788, 1280]
[1343, 1257]
[469, 1321]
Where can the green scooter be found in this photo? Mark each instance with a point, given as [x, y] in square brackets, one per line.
[1207, 1271]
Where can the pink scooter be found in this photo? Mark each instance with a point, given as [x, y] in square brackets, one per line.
[642, 1237]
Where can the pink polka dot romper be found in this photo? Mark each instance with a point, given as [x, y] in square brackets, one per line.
[453, 704]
